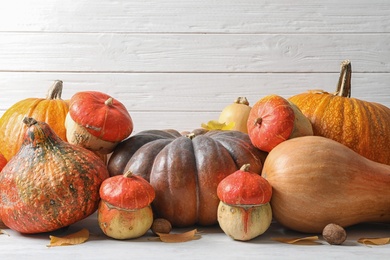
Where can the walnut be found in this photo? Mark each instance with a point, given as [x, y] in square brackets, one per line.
[334, 234]
[161, 225]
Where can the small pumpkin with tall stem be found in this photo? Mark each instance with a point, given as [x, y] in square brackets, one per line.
[97, 121]
[244, 211]
[124, 210]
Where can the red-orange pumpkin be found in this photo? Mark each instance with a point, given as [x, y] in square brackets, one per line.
[51, 110]
[124, 210]
[185, 170]
[360, 125]
[49, 183]
[97, 121]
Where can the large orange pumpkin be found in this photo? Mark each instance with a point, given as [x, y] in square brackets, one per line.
[360, 125]
[51, 110]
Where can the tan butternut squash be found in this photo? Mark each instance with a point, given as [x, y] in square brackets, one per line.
[317, 181]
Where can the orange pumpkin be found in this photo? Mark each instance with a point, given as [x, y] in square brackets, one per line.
[360, 125]
[3, 161]
[51, 110]
[97, 121]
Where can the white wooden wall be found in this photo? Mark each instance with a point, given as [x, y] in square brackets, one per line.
[177, 63]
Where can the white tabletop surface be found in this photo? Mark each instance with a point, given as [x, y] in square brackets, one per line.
[213, 244]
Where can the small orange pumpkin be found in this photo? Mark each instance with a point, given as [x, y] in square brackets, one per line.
[360, 125]
[97, 121]
[51, 110]
[124, 209]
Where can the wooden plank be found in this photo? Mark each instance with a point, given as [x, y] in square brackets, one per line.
[96, 52]
[185, 92]
[176, 16]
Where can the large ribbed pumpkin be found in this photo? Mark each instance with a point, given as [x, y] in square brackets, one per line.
[49, 183]
[360, 125]
[51, 110]
[185, 170]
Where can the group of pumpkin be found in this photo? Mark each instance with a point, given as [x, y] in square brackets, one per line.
[315, 158]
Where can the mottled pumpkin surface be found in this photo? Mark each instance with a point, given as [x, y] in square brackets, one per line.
[49, 183]
[185, 170]
[362, 126]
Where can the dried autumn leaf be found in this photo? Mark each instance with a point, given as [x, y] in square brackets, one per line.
[179, 237]
[71, 239]
[298, 241]
[376, 241]
[3, 232]
[216, 125]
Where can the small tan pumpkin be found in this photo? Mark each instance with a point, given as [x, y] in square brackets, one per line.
[237, 113]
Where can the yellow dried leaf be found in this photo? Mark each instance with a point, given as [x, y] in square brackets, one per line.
[71, 239]
[216, 125]
[376, 241]
[298, 241]
[179, 237]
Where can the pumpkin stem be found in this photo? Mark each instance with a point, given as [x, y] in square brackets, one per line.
[190, 135]
[258, 121]
[109, 102]
[242, 100]
[245, 167]
[55, 91]
[128, 174]
[29, 121]
[344, 84]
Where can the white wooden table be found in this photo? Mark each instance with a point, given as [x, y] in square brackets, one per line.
[213, 244]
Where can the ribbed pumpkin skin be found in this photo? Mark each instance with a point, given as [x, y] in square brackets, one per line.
[360, 125]
[49, 183]
[51, 110]
[185, 170]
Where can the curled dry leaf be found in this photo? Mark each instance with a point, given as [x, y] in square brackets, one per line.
[216, 125]
[4, 232]
[71, 239]
[179, 237]
[376, 241]
[312, 240]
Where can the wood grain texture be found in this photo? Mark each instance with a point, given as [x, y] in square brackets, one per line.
[176, 64]
[200, 53]
[176, 16]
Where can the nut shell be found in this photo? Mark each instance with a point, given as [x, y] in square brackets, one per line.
[334, 234]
